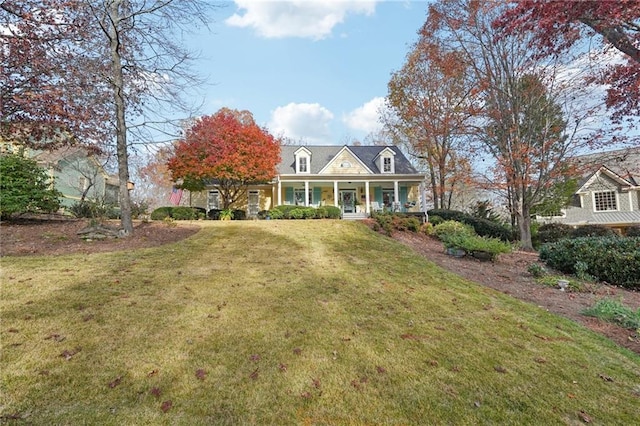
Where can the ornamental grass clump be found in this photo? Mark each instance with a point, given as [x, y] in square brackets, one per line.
[614, 311]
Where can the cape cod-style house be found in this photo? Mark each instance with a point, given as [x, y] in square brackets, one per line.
[358, 179]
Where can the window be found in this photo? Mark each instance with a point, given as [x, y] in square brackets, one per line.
[386, 165]
[298, 196]
[302, 165]
[605, 201]
[387, 197]
[345, 165]
[214, 200]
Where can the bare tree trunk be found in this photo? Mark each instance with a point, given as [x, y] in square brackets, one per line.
[121, 125]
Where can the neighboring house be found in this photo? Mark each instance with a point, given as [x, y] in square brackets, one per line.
[358, 179]
[608, 192]
[77, 174]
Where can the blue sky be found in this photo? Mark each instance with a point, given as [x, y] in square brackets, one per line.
[313, 71]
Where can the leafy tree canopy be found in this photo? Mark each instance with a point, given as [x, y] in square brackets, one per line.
[228, 150]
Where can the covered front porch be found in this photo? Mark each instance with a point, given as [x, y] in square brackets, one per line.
[353, 195]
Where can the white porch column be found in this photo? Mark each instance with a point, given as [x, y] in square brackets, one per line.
[279, 192]
[335, 193]
[306, 193]
[366, 198]
[396, 196]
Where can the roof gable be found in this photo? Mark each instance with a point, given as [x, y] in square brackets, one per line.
[603, 171]
[345, 162]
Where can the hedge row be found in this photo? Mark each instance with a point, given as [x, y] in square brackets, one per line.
[178, 213]
[300, 212]
[214, 214]
[552, 232]
[483, 227]
[615, 260]
[395, 221]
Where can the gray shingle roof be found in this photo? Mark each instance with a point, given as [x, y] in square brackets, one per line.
[321, 155]
[623, 162]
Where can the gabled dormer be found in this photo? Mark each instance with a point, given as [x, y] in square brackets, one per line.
[386, 161]
[303, 161]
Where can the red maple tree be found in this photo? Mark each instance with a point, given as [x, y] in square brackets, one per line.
[228, 151]
[559, 25]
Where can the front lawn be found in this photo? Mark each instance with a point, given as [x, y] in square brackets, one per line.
[291, 322]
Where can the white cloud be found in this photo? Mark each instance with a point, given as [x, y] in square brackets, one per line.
[366, 117]
[298, 18]
[306, 122]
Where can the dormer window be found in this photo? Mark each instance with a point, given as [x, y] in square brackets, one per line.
[303, 160]
[386, 165]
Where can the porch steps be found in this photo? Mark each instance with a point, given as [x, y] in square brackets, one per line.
[354, 216]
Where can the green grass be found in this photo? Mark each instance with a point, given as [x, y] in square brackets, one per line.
[616, 312]
[291, 322]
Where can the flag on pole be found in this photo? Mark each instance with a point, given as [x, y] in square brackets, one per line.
[176, 196]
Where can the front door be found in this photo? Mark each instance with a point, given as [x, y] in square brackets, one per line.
[347, 198]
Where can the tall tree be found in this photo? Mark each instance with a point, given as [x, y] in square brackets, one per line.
[520, 124]
[557, 26]
[146, 65]
[227, 150]
[124, 60]
[430, 105]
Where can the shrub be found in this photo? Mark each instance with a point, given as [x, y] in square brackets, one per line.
[612, 259]
[201, 212]
[183, 213]
[483, 227]
[476, 245]
[309, 213]
[262, 214]
[413, 224]
[592, 231]
[161, 212]
[25, 187]
[435, 220]
[276, 214]
[286, 210]
[633, 231]
[84, 209]
[614, 311]
[238, 214]
[452, 227]
[321, 212]
[214, 214]
[536, 270]
[427, 228]
[552, 232]
[333, 212]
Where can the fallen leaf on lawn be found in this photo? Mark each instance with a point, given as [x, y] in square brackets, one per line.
[201, 374]
[282, 367]
[155, 392]
[477, 404]
[381, 370]
[316, 383]
[115, 382]
[297, 351]
[306, 395]
[254, 375]
[500, 369]
[606, 378]
[166, 406]
[540, 360]
[584, 417]
[152, 373]
[255, 357]
[433, 363]
[68, 354]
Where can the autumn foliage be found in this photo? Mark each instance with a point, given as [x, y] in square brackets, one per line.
[227, 150]
[557, 26]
